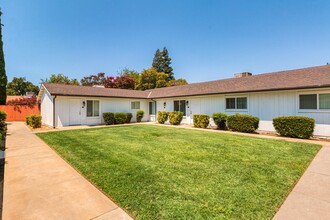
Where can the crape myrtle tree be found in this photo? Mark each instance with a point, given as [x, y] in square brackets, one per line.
[92, 80]
[3, 76]
[120, 82]
[162, 63]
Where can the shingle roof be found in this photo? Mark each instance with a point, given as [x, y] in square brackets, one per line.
[312, 77]
[70, 90]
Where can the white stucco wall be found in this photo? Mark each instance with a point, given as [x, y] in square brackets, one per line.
[62, 109]
[265, 105]
[47, 109]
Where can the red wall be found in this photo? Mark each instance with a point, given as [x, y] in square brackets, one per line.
[18, 113]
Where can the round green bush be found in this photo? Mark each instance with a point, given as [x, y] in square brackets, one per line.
[175, 117]
[243, 123]
[129, 117]
[162, 117]
[120, 117]
[109, 118]
[35, 121]
[294, 126]
[220, 119]
[139, 115]
[201, 121]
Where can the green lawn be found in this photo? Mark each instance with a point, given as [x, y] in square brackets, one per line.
[158, 172]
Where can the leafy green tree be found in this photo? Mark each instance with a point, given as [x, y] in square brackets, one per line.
[162, 63]
[93, 80]
[130, 73]
[177, 82]
[61, 79]
[150, 79]
[3, 76]
[19, 86]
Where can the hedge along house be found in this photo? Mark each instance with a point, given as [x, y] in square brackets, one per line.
[301, 92]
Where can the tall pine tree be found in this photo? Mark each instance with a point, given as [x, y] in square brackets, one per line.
[3, 76]
[157, 62]
[162, 63]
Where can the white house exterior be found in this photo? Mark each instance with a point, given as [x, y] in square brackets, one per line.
[302, 92]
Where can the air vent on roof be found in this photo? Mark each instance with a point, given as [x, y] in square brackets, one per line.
[244, 74]
[98, 86]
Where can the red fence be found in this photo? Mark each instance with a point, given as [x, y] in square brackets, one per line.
[18, 113]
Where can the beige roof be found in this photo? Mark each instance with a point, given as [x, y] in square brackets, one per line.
[312, 77]
[70, 90]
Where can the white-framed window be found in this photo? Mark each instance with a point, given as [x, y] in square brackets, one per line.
[135, 105]
[180, 106]
[236, 103]
[93, 108]
[314, 101]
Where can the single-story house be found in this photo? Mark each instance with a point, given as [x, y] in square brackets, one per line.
[301, 92]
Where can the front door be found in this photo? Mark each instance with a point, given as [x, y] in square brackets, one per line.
[75, 112]
[188, 112]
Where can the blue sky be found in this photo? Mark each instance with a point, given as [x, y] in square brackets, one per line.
[206, 39]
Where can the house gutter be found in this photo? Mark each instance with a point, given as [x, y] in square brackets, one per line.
[54, 124]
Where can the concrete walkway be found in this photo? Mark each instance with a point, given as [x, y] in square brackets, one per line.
[310, 198]
[41, 185]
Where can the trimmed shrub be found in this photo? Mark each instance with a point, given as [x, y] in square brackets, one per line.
[35, 121]
[28, 120]
[3, 128]
[3, 115]
[220, 120]
[201, 121]
[109, 118]
[120, 117]
[139, 115]
[129, 117]
[162, 117]
[294, 126]
[175, 117]
[243, 123]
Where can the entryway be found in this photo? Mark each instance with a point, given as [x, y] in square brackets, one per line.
[75, 112]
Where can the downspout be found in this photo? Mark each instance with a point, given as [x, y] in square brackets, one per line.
[54, 123]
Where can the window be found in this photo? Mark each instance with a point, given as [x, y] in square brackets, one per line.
[180, 106]
[324, 101]
[308, 101]
[314, 101]
[236, 103]
[241, 103]
[135, 105]
[152, 108]
[230, 103]
[93, 108]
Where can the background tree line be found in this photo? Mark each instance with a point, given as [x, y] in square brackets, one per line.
[159, 75]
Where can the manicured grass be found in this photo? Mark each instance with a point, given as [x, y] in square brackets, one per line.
[166, 173]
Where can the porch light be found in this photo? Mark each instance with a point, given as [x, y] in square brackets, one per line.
[187, 104]
[164, 104]
[83, 104]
